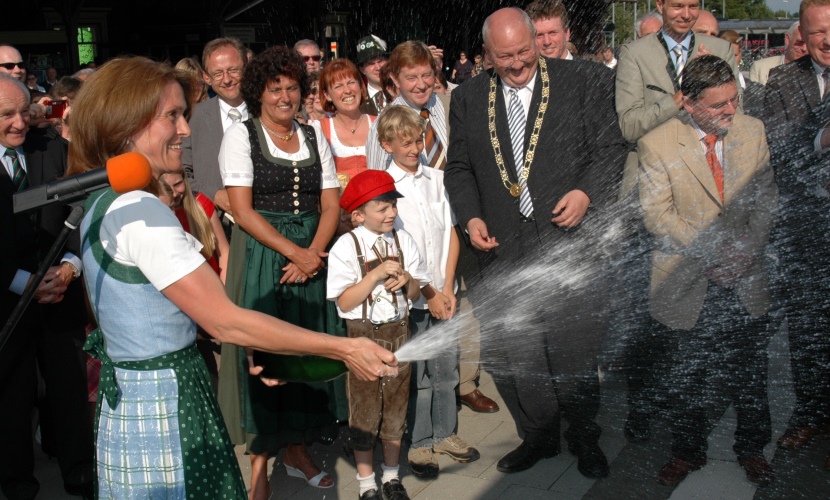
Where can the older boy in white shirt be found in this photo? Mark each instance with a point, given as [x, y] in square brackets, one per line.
[424, 213]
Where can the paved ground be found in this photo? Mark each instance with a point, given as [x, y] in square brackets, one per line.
[633, 467]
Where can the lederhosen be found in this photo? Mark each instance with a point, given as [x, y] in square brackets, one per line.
[378, 409]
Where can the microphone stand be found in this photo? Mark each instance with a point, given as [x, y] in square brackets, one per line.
[70, 225]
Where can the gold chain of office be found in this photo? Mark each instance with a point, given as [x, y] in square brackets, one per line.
[514, 187]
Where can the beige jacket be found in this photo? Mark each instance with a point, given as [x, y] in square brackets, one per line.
[693, 231]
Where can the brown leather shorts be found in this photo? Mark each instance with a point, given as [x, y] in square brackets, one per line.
[378, 409]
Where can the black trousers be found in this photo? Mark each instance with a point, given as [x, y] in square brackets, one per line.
[803, 242]
[542, 324]
[18, 393]
[723, 356]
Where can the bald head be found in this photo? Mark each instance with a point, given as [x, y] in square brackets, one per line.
[510, 45]
[10, 55]
[504, 20]
[706, 24]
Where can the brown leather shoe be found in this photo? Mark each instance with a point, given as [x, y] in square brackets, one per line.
[478, 402]
[676, 470]
[796, 437]
[757, 470]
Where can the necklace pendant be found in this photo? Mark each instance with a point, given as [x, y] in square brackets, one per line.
[515, 190]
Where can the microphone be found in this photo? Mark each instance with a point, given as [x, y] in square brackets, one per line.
[124, 173]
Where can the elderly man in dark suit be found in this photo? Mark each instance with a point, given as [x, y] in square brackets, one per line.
[796, 116]
[18, 261]
[532, 147]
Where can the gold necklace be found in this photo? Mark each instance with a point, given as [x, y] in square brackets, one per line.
[514, 187]
[352, 130]
[278, 136]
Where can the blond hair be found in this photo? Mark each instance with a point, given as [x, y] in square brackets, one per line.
[400, 122]
[197, 218]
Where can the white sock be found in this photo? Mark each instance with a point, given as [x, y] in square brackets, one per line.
[389, 473]
[367, 483]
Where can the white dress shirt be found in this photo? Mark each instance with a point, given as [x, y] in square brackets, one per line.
[344, 272]
[424, 212]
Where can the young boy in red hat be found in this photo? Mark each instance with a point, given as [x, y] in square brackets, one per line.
[375, 272]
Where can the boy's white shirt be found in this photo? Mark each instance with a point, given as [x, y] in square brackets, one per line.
[424, 212]
[344, 271]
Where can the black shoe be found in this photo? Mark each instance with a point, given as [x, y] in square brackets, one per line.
[590, 460]
[394, 490]
[525, 457]
[370, 495]
[637, 428]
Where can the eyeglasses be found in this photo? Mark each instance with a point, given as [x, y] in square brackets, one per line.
[735, 102]
[10, 66]
[316, 58]
[218, 76]
[525, 57]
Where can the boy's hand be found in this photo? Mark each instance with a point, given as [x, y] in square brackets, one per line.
[439, 305]
[387, 269]
[450, 295]
[396, 282]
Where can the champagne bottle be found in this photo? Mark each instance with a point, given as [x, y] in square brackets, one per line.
[298, 368]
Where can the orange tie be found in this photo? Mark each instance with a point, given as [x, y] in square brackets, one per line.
[714, 164]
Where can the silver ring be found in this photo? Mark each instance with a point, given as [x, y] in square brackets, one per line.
[314, 273]
[299, 280]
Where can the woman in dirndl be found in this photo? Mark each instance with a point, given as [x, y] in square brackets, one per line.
[283, 190]
[159, 433]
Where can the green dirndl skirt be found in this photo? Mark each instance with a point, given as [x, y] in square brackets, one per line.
[158, 430]
[267, 419]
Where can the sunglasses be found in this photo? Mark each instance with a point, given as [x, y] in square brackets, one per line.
[10, 66]
[316, 58]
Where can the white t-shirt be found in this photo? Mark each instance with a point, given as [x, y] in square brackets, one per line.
[424, 212]
[140, 231]
[344, 271]
[237, 168]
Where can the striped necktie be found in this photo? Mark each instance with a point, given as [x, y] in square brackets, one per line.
[678, 62]
[826, 78]
[19, 177]
[516, 122]
[432, 145]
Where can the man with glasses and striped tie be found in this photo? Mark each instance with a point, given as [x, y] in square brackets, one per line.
[224, 60]
[532, 148]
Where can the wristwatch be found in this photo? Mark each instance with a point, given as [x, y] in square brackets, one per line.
[76, 273]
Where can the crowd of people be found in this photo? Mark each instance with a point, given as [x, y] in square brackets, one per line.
[340, 209]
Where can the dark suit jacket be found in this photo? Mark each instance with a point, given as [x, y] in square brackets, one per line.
[580, 147]
[200, 155]
[793, 115]
[46, 153]
[18, 248]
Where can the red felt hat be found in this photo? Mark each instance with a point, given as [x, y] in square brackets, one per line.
[366, 186]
